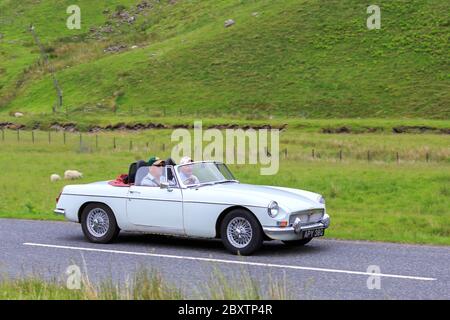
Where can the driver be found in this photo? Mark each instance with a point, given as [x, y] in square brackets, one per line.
[186, 172]
[153, 178]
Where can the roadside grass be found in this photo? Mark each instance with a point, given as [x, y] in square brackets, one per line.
[244, 286]
[380, 199]
[144, 285]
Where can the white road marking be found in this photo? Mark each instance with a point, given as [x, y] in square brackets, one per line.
[248, 263]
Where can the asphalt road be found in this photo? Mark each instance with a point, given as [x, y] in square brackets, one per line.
[324, 269]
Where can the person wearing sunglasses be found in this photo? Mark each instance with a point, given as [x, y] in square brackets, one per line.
[155, 173]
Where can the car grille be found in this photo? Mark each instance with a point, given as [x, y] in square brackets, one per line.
[307, 216]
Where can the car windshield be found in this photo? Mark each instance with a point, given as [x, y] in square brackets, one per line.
[204, 173]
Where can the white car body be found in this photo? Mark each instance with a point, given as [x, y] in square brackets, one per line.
[197, 211]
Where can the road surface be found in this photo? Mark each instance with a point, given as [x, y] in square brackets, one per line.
[324, 269]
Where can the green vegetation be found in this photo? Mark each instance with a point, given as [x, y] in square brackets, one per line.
[290, 58]
[381, 200]
[144, 285]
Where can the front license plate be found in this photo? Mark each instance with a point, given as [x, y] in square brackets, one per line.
[313, 233]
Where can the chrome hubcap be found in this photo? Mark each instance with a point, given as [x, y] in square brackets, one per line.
[239, 232]
[97, 222]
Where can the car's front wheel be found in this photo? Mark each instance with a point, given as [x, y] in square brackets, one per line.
[241, 232]
[297, 243]
[99, 224]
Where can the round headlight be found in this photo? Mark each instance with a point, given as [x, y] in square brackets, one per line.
[321, 200]
[273, 209]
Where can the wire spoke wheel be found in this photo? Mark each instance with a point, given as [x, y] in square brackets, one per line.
[239, 232]
[98, 222]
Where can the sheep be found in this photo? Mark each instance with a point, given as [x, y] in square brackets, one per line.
[229, 23]
[72, 175]
[55, 177]
[18, 114]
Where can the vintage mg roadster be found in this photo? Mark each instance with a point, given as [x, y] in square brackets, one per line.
[199, 199]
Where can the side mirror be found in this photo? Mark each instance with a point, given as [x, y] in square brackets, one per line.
[166, 186]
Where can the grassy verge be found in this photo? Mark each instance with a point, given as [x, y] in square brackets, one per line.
[144, 285]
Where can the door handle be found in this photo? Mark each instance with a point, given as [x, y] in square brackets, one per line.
[135, 192]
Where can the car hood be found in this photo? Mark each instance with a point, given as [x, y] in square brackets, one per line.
[289, 199]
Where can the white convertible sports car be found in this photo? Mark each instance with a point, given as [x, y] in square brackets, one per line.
[199, 199]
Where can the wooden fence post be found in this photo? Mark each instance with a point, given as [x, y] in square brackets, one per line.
[32, 136]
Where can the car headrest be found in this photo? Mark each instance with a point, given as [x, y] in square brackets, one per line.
[134, 167]
[170, 162]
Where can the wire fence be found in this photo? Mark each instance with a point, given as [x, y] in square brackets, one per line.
[82, 140]
[110, 142]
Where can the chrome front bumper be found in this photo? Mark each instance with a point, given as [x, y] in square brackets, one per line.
[295, 232]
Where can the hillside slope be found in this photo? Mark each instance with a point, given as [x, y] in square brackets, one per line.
[304, 58]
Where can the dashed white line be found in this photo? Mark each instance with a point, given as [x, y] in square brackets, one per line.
[248, 263]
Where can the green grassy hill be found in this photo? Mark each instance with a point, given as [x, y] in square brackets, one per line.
[294, 58]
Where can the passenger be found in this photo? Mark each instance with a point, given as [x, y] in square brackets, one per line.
[153, 178]
[186, 172]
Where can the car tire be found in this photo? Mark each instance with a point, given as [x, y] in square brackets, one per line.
[297, 243]
[241, 232]
[99, 224]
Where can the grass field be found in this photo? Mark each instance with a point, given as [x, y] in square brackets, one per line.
[303, 58]
[380, 199]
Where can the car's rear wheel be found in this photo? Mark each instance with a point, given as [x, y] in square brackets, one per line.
[99, 223]
[241, 232]
[297, 243]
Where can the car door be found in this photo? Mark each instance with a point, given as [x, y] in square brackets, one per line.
[157, 207]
